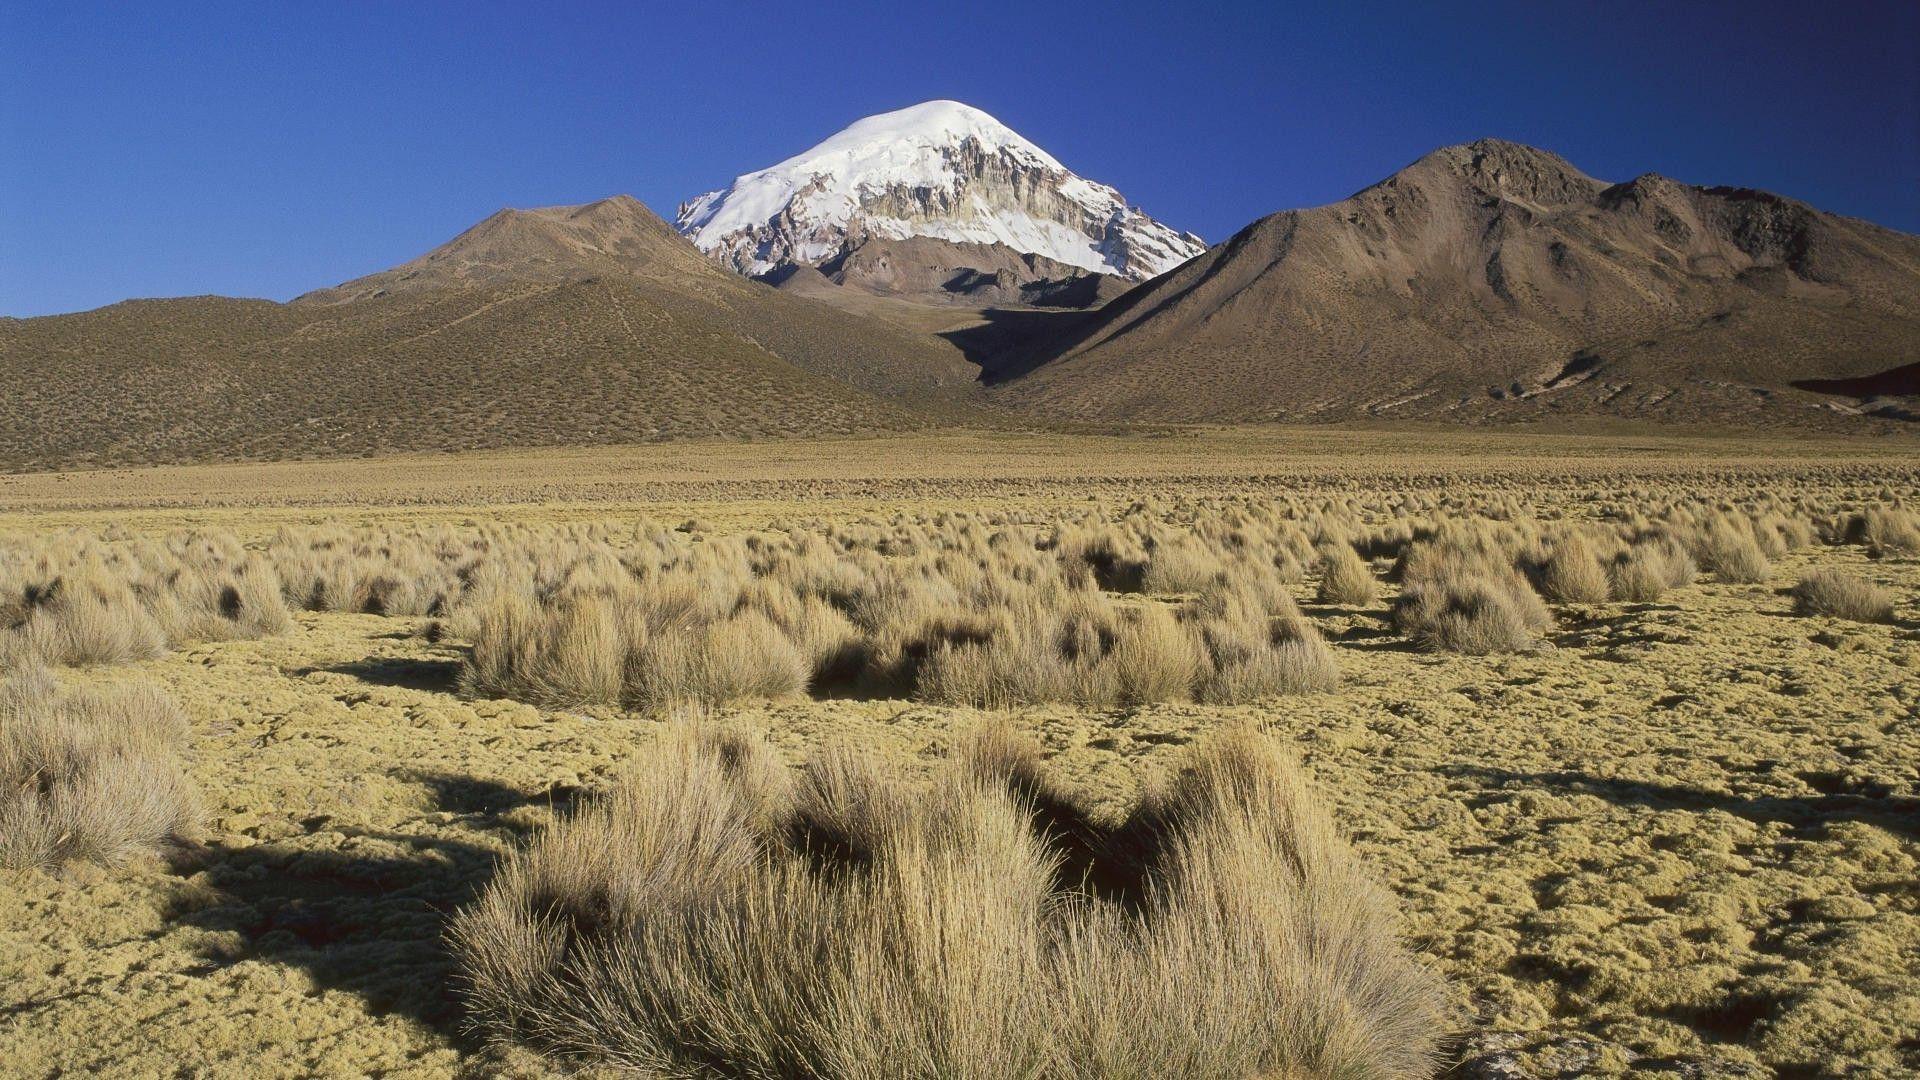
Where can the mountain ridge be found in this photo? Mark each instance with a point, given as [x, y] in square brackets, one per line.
[1464, 285]
[573, 325]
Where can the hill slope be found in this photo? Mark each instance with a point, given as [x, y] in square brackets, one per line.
[1496, 281]
[571, 325]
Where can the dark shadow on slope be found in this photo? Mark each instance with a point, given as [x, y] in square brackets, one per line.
[1839, 800]
[1903, 381]
[1011, 342]
[1893, 394]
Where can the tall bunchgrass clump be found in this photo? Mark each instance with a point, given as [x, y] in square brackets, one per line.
[1573, 572]
[89, 774]
[1726, 547]
[1251, 654]
[1885, 531]
[1185, 565]
[73, 599]
[1464, 595]
[1649, 567]
[1345, 578]
[1072, 647]
[1842, 596]
[84, 616]
[718, 915]
[647, 648]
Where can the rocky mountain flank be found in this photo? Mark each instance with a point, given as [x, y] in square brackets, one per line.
[1497, 281]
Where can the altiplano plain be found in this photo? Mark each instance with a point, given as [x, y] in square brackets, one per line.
[1663, 835]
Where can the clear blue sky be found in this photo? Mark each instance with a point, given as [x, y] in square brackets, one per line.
[262, 148]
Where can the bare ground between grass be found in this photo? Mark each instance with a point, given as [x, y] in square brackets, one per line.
[1683, 839]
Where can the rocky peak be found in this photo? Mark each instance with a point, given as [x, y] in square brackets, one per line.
[942, 170]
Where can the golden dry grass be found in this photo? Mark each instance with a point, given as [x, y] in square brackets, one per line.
[1675, 834]
[1842, 596]
[713, 915]
[89, 774]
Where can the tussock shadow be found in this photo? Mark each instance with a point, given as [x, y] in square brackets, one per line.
[489, 801]
[369, 918]
[1873, 805]
[1379, 642]
[436, 676]
[1121, 862]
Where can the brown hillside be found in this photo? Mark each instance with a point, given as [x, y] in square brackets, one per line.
[616, 236]
[1496, 281]
[575, 325]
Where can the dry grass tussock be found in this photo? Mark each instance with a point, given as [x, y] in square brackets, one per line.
[1842, 596]
[1163, 602]
[1574, 572]
[1885, 531]
[1729, 549]
[89, 774]
[1345, 578]
[965, 617]
[74, 598]
[1462, 592]
[1648, 566]
[718, 915]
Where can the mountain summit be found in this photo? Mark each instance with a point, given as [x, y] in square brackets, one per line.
[942, 170]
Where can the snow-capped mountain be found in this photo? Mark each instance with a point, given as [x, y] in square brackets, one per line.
[939, 169]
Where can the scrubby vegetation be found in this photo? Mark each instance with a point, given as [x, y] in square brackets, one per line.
[716, 915]
[89, 774]
[76, 599]
[1842, 596]
[1656, 827]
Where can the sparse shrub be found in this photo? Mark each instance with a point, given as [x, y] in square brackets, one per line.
[1345, 578]
[1729, 551]
[713, 916]
[86, 616]
[1842, 596]
[1249, 659]
[645, 649]
[1110, 560]
[1155, 659]
[89, 774]
[241, 600]
[567, 655]
[1573, 573]
[1649, 567]
[1475, 615]
[1460, 593]
[1187, 565]
[1886, 531]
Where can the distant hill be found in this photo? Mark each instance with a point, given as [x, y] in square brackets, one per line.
[1494, 281]
[1484, 283]
[568, 325]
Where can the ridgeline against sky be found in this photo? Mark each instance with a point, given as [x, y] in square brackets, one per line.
[258, 152]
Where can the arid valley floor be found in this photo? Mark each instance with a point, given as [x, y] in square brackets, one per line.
[1676, 836]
